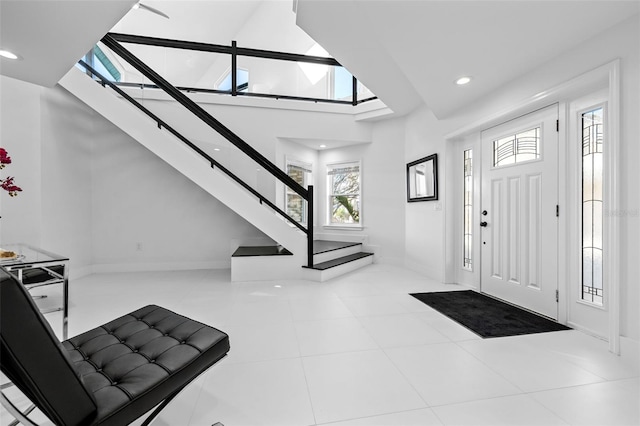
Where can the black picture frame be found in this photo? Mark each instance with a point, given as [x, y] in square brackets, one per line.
[422, 179]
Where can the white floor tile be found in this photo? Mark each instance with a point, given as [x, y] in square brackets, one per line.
[318, 308]
[253, 394]
[586, 352]
[401, 330]
[422, 417]
[448, 327]
[446, 374]
[374, 305]
[272, 375]
[261, 342]
[610, 403]
[357, 384]
[529, 366]
[517, 410]
[333, 336]
[259, 312]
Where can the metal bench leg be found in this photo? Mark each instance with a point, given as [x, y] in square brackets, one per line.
[15, 411]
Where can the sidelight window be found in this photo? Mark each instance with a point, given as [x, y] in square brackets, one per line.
[592, 200]
[467, 243]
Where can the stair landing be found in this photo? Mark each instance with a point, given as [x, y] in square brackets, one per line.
[261, 251]
[331, 259]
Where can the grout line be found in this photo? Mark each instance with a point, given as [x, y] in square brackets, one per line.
[304, 371]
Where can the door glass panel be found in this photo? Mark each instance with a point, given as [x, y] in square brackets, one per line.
[517, 148]
[592, 174]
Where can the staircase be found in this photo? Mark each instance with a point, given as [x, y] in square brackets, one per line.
[140, 128]
[335, 258]
[330, 258]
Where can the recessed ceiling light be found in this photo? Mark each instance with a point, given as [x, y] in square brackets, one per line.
[216, 149]
[9, 55]
[323, 146]
[463, 80]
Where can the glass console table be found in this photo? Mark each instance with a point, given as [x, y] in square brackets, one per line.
[35, 268]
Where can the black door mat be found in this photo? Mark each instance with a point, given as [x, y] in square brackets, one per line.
[486, 316]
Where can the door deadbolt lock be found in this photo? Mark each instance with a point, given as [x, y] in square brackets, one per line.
[484, 213]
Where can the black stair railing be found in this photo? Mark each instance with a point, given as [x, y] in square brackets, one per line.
[234, 51]
[306, 194]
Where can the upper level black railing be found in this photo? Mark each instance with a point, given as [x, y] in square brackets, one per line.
[235, 52]
[176, 94]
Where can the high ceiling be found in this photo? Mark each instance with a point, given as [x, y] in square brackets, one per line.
[52, 35]
[207, 21]
[408, 52]
[412, 51]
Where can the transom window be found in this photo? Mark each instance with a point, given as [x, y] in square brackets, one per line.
[592, 200]
[344, 187]
[517, 148]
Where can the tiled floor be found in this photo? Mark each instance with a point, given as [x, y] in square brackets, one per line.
[359, 351]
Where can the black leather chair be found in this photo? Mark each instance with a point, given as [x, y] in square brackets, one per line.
[111, 375]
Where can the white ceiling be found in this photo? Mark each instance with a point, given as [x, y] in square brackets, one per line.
[207, 21]
[412, 51]
[408, 52]
[52, 35]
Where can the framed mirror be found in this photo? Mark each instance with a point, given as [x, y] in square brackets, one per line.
[422, 179]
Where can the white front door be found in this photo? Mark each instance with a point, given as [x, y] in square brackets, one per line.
[519, 225]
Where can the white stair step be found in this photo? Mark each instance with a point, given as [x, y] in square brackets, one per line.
[324, 251]
[336, 267]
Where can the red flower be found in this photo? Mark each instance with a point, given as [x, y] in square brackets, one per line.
[8, 185]
[4, 158]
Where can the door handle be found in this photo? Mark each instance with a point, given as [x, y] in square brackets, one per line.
[483, 224]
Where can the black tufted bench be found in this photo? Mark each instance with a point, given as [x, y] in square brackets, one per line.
[110, 375]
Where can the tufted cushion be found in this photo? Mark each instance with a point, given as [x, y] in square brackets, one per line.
[142, 356]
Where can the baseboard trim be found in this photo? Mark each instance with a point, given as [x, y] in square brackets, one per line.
[101, 268]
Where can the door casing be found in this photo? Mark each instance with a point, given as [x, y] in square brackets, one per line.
[606, 76]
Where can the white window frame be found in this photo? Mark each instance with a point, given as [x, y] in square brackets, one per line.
[329, 215]
[307, 180]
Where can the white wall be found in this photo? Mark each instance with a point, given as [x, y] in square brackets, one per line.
[20, 136]
[426, 135]
[424, 233]
[67, 149]
[92, 193]
[383, 191]
[45, 134]
[146, 215]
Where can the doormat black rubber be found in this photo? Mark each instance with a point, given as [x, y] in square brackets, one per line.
[486, 316]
